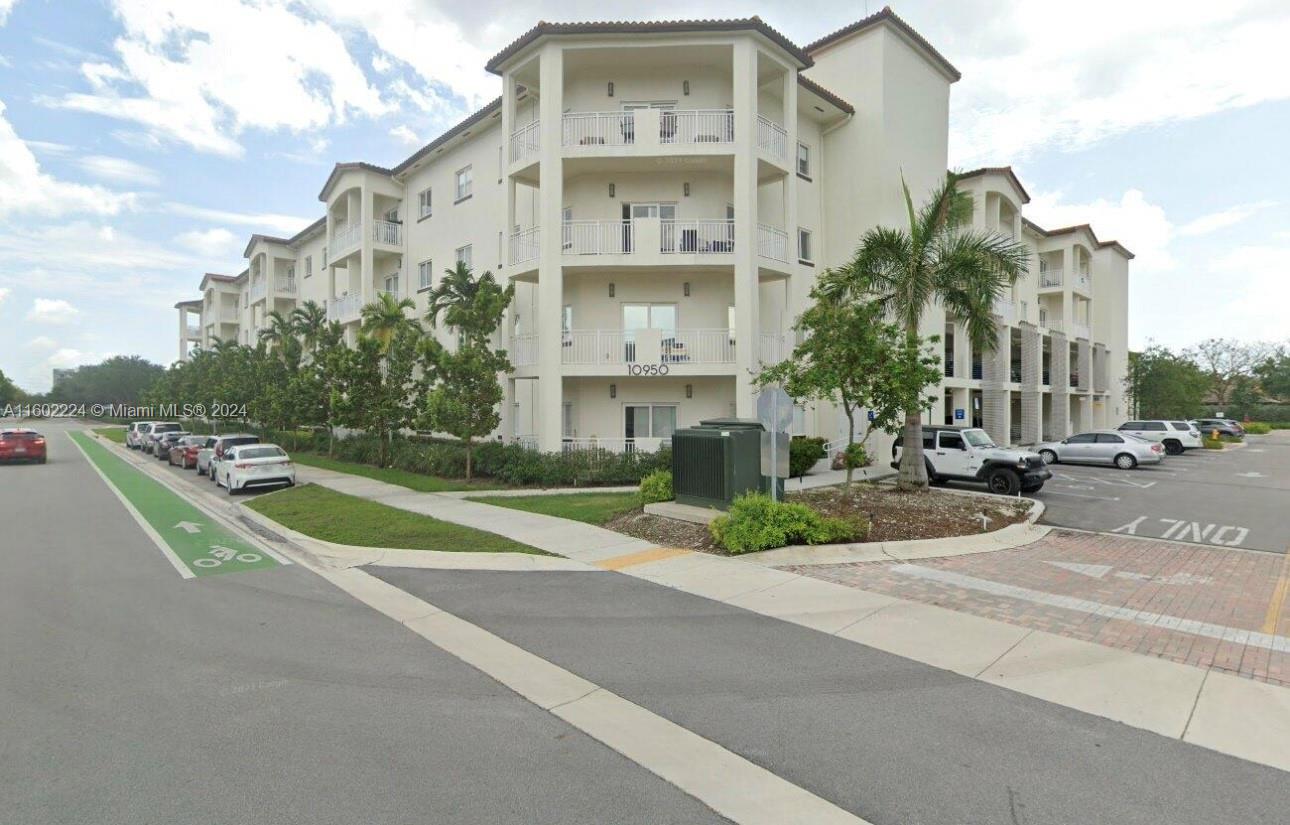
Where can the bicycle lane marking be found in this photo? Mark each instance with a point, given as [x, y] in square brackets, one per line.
[192, 541]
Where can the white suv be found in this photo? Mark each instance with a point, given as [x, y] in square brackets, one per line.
[1175, 436]
[969, 454]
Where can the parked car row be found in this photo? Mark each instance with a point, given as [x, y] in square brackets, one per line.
[235, 461]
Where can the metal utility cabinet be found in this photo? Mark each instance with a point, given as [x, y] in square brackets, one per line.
[716, 461]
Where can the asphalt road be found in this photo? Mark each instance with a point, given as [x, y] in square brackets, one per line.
[1232, 498]
[130, 695]
[894, 741]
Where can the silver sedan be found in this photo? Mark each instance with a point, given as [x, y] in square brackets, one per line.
[1102, 447]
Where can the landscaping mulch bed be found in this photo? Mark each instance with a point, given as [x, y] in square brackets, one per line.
[894, 516]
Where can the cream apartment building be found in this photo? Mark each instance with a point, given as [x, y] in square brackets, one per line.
[663, 195]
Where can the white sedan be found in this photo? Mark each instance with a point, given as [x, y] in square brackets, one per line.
[1102, 447]
[254, 465]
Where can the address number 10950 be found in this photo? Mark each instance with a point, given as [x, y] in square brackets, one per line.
[647, 369]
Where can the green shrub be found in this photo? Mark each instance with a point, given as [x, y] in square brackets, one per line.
[755, 522]
[657, 486]
[803, 452]
[1212, 443]
[856, 456]
[1257, 428]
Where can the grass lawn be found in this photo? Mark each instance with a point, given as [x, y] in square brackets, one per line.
[116, 434]
[413, 481]
[593, 508]
[331, 516]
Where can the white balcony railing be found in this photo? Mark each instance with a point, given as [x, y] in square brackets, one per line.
[598, 128]
[1080, 330]
[525, 245]
[1082, 280]
[599, 347]
[387, 232]
[699, 237]
[1050, 278]
[596, 237]
[193, 330]
[523, 351]
[693, 126]
[617, 446]
[771, 137]
[1056, 326]
[343, 239]
[228, 315]
[285, 285]
[774, 347]
[345, 309]
[772, 243]
[526, 142]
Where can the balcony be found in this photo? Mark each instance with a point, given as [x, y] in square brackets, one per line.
[1006, 310]
[345, 309]
[605, 347]
[525, 245]
[259, 289]
[774, 347]
[771, 138]
[646, 129]
[1082, 281]
[192, 330]
[387, 233]
[285, 285]
[523, 350]
[1080, 330]
[715, 236]
[344, 239]
[1049, 278]
[526, 143]
[772, 243]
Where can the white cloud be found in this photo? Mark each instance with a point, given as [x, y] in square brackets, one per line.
[52, 311]
[1065, 76]
[4, 293]
[201, 73]
[67, 358]
[89, 257]
[1135, 222]
[41, 342]
[406, 136]
[1250, 313]
[210, 243]
[284, 224]
[26, 190]
[118, 170]
[1222, 219]
[6, 6]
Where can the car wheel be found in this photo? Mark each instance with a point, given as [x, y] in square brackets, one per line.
[1004, 482]
[1173, 447]
[1048, 456]
[1125, 461]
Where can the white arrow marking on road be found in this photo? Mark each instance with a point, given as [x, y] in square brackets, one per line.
[1093, 571]
[1132, 527]
[189, 527]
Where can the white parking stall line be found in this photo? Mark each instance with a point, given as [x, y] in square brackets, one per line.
[1080, 495]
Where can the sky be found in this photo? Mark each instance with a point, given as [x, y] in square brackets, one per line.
[143, 141]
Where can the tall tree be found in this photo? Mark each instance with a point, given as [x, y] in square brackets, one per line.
[278, 331]
[1162, 384]
[384, 318]
[1273, 374]
[464, 393]
[850, 356]
[936, 259]
[374, 386]
[471, 306]
[309, 320]
[9, 392]
[1227, 362]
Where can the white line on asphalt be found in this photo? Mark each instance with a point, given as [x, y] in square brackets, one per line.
[135, 514]
[1080, 495]
[1223, 633]
[727, 783]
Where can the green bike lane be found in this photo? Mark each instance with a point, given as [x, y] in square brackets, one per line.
[190, 539]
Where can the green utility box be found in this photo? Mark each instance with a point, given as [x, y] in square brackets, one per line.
[716, 461]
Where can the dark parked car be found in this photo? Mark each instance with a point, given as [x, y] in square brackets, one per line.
[183, 452]
[1224, 426]
[163, 443]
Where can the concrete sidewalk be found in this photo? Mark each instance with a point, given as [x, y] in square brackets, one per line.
[1234, 715]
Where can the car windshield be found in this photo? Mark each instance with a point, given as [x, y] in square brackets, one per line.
[978, 438]
[260, 452]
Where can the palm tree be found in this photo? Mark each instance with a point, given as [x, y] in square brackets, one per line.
[937, 259]
[308, 321]
[278, 331]
[384, 316]
[222, 345]
[469, 304]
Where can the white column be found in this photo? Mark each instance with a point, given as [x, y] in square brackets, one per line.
[790, 195]
[747, 305]
[367, 286]
[550, 297]
[183, 334]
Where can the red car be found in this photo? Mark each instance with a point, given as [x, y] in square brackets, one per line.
[17, 444]
[184, 453]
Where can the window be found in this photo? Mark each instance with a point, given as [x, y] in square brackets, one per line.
[649, 420]
[465, 255]
[392, 285]
[978, 438]
[1109, 438]
[309, 265]
[392, 215]
[804, 245]
[499, 249]
[1180, 425]
[1082, 438]
[1154, 426]
[324, 257]
[566, 318]
[425, 274]
[465, 183]
[803, 160]
[951, 441]
[423, 201]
